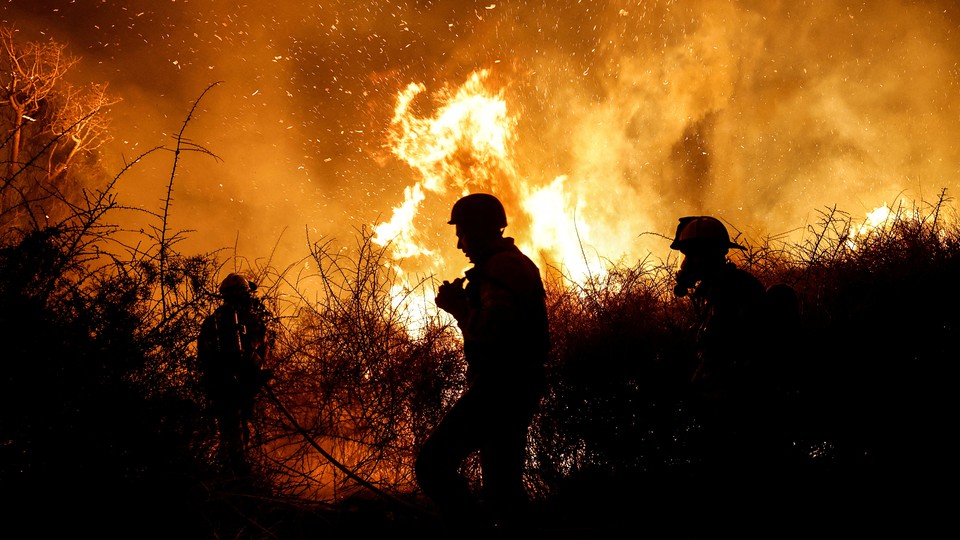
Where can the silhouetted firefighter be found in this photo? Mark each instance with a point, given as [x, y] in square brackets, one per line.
[502, 314]
[731, 390]
[234, 344]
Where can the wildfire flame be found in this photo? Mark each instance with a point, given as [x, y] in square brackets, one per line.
[883, 218]
[463, 147]
[876, 220]
[467, 146]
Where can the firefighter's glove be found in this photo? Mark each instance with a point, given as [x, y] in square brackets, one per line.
[452, 298]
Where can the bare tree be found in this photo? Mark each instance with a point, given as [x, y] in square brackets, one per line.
[29, 76]
[47, 126]
[77, 127]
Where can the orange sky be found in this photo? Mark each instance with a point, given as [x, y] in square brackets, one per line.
[758, 112]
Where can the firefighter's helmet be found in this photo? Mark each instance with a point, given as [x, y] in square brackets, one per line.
[478, 210]
[702, 233]
[235, 284]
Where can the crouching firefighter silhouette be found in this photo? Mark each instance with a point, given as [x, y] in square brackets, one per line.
[234, 345]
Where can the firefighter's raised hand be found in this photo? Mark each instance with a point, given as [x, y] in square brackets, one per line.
[452, 298]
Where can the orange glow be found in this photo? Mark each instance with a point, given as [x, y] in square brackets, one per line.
[467, 146]
[597, 123]
[876, 220]
[882, 218]
[464, 145]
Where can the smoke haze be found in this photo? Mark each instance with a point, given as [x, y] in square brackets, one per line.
[757, 112]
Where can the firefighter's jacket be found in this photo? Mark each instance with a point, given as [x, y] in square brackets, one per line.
[505, 332]
[731, 312]
[234, 341]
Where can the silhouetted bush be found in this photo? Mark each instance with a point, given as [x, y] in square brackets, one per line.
[102, 415]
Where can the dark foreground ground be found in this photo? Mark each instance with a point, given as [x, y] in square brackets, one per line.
[814, 503]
